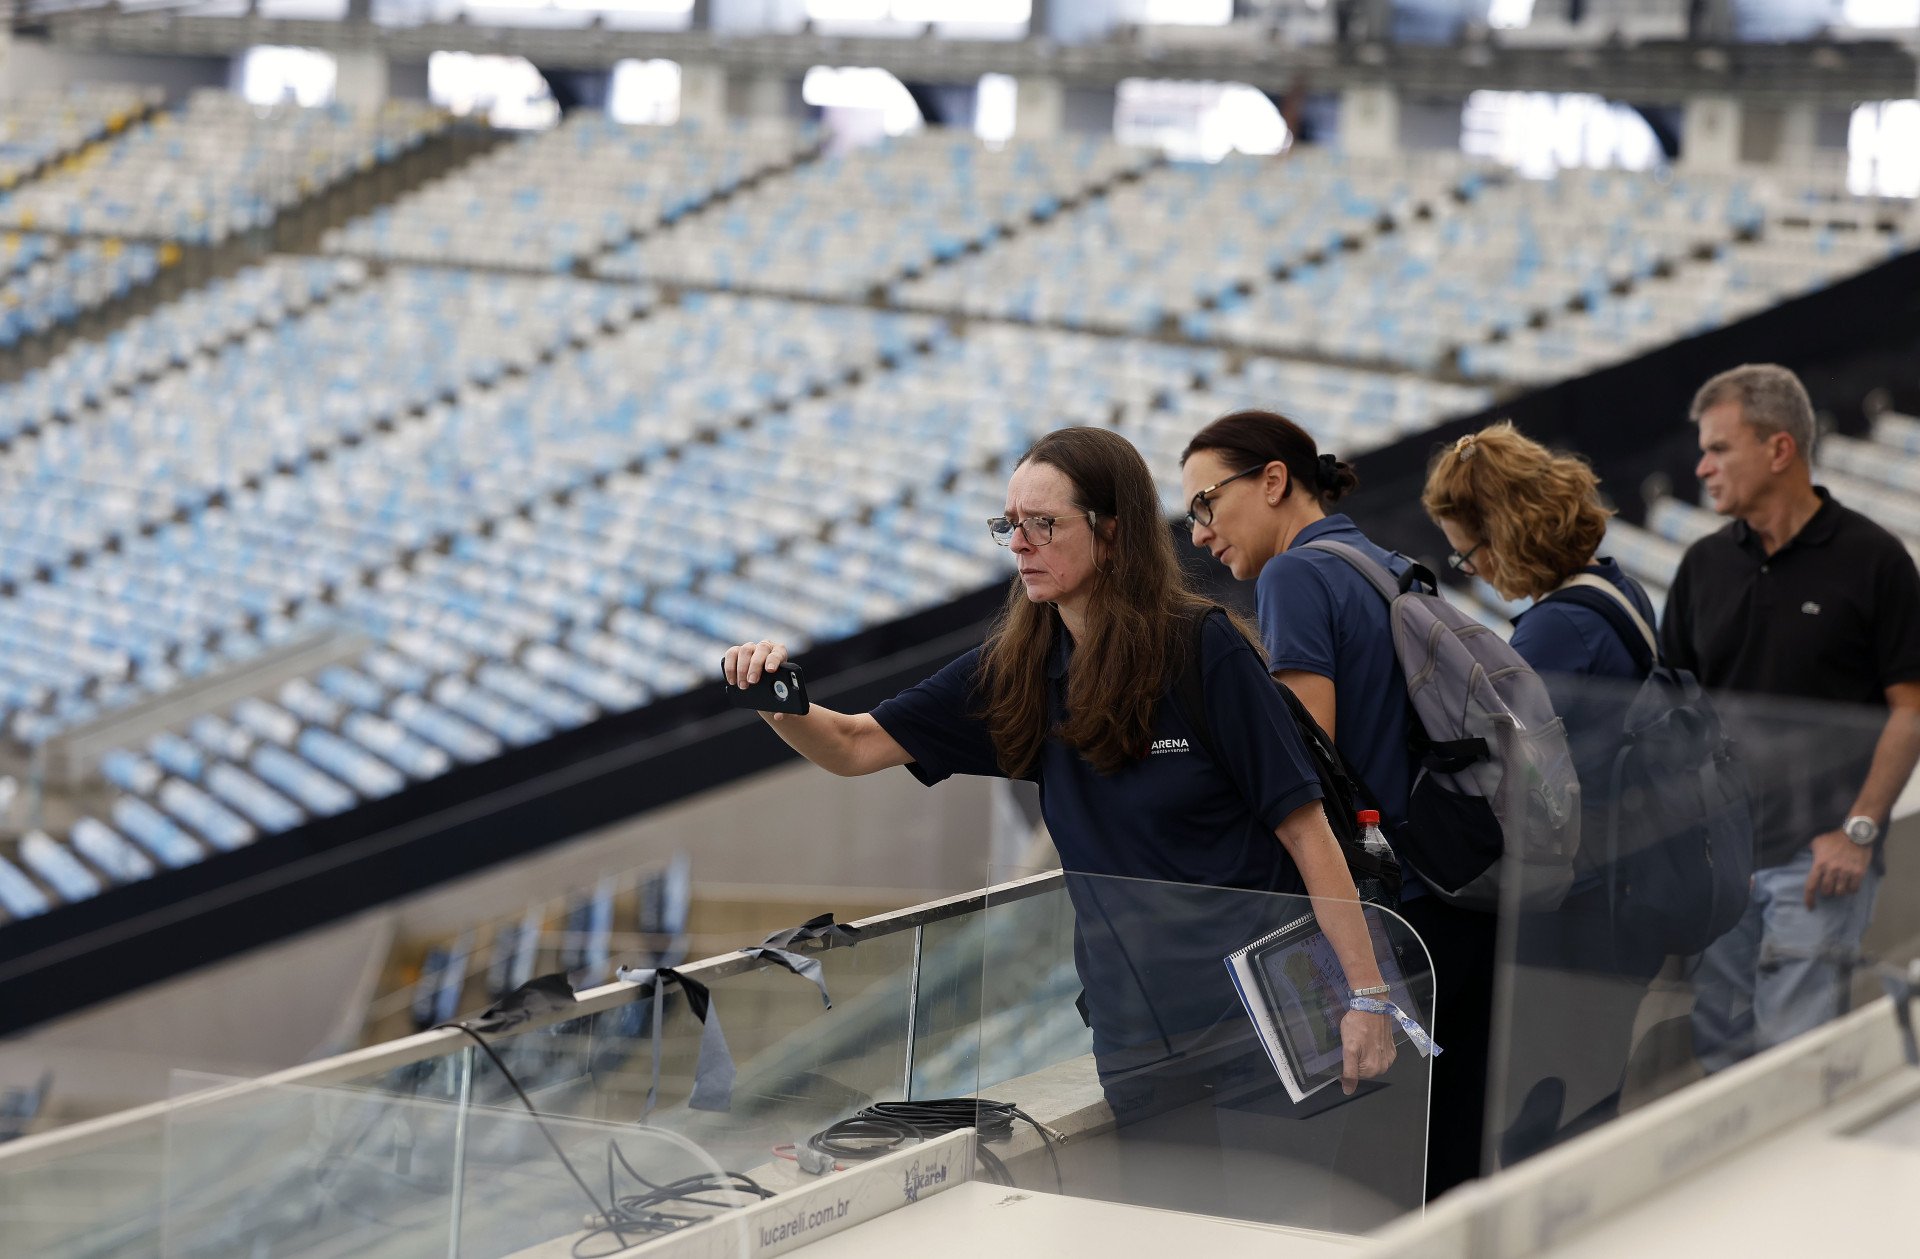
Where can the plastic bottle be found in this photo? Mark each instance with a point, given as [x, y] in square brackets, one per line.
[1371, 890]
[1371, 838]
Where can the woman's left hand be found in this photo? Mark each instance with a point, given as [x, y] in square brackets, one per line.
[1366, 1042]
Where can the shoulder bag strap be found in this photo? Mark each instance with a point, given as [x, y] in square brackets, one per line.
[1382, 578]
[1373, 570]
[1635, 632]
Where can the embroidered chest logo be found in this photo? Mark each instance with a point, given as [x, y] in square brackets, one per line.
[1162, 746]
[1810, 608]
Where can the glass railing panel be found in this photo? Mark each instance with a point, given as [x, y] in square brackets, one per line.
[196, 1177]
[797, 1065]
[92, 1196]
[947, 1006]
[299, 1171]
[106, 1188]
[349, 1169]
[424, 1146]
[1030, 1018]
[1684, 943]
[1204, 1076]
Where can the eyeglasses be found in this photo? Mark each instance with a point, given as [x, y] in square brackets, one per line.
[1037, 529]
[1200, 508]
[1462, 563]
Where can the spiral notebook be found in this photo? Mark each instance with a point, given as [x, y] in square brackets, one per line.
[1295, 992]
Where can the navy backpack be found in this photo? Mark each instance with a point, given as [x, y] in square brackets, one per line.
[1678, 842]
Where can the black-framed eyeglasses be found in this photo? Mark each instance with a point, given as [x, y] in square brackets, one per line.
[1038, 529]
[1462, 563]
[1200, 506]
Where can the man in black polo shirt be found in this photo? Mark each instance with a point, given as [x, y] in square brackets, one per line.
[1800, 601]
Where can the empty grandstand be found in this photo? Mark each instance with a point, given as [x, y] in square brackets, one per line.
[554, 199]
[216, 167]
[473, 484]
[44, 283]
[379, 489]
[39, 129]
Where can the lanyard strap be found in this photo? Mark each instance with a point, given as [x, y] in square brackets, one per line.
[1415, 1033]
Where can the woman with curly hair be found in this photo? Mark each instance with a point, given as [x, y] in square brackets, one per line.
[1530, 523]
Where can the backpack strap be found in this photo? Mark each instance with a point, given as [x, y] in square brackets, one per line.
[1190, 700]
[1189, 686]
[1389, 586]
[1336, 778]
[1596, 594]
[1450, 757]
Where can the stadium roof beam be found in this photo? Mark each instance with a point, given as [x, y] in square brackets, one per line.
[1648, 73]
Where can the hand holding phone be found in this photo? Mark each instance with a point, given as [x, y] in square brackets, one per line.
[759, 676]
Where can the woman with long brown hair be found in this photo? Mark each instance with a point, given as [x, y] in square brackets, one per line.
[1073, 689]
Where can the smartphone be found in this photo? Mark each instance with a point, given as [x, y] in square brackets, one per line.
[781, 691]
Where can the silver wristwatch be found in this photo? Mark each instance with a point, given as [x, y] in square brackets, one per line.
[1862, 830]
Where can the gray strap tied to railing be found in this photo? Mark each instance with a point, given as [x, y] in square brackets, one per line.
[778, 949]
[713, 1071]
[547, 994]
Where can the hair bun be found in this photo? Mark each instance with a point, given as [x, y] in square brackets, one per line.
[1334, 479]
[1467, 447]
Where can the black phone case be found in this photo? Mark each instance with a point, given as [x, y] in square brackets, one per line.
[764, 695]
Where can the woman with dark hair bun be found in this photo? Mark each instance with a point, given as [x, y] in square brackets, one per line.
[1258, 489]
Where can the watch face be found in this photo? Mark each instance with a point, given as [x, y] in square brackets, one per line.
[1862, 831]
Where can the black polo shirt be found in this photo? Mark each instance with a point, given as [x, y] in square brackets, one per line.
[1831, 618]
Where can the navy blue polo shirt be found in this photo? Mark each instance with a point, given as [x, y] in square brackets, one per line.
[1149, 945]
[1319, 614]
[1562, 637]
[1174, 815]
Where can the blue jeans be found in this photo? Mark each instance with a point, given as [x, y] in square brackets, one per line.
[1782, 970]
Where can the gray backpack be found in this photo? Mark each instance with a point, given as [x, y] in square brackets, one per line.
[1494, 815]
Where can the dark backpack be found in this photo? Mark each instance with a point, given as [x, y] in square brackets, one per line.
[1676, 796]
[1342, 794]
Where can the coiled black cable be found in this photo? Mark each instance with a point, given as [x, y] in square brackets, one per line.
[886, 1126]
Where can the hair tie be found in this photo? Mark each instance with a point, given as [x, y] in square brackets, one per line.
[1329, 472]
[1466, 447]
